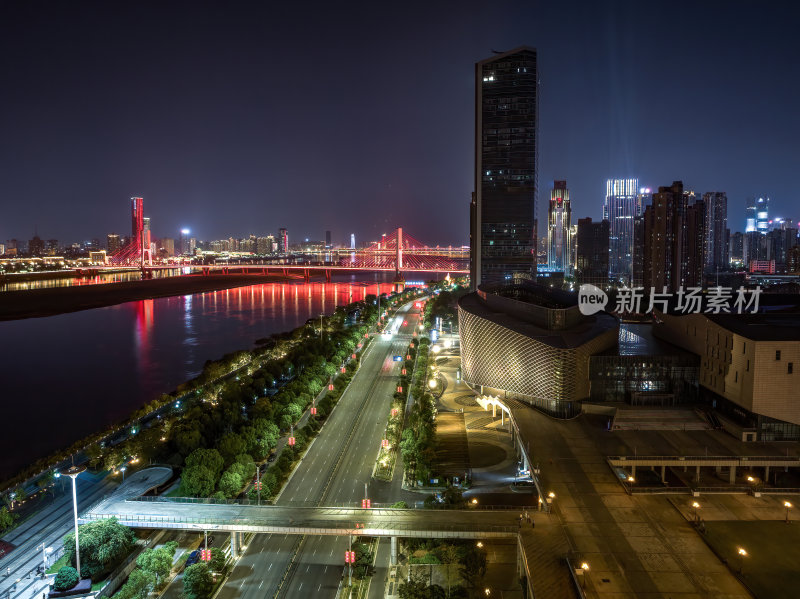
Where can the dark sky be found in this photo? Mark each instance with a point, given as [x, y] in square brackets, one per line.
[234, 118]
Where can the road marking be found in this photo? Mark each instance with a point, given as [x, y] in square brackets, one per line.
[259, 584]
[270, 568]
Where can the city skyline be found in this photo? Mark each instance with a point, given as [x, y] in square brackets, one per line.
[190, 154]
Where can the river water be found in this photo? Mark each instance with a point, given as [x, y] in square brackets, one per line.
[64, 377]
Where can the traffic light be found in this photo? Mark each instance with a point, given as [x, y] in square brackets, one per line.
[350, 557]
[291, 441]
[366, 503]
[313, 410]
[205, 555]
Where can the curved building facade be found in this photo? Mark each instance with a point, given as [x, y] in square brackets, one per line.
[533, 344]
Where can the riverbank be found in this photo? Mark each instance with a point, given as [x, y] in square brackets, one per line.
[34, 303]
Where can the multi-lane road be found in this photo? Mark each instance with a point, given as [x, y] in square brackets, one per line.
[333, 471]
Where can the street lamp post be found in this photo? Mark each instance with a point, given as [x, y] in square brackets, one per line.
[742, 554]
[123, 469]
[73, 472]
[585, 572]
[788, 506]
[695, 505]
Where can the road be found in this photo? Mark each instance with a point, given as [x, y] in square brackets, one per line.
[47, 526]
[334, 471]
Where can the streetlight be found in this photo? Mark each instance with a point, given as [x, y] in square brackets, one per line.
[631, 480]
[123, 469]
[487, 592]
[45, 552]
[73, 472]
[695, 505]
[788, 506]
[742, 554]
[584, 570]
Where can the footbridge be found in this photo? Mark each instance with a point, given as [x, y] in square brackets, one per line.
[176, 513]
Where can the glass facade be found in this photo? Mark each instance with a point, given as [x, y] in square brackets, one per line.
[503, 227]
[621, 207]
[559, 238]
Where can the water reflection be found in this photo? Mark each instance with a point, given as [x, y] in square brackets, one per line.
[69, 375]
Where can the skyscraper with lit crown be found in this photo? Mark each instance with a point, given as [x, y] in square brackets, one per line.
[621, 207]
[558, 229]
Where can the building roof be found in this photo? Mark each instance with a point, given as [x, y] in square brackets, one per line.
[760, 327]
[575, 336]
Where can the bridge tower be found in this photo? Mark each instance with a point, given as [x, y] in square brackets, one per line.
[398, 263]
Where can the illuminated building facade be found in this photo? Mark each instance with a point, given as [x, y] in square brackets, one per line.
[621, 207]
[532, 344]
[558, 230]
[283, 241]
[503, 207]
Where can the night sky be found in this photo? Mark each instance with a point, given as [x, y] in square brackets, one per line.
[233, 118]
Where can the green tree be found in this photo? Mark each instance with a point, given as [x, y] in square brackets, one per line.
[217, 563]
[473, 566]
[6, 519]
[449, 555]
[103, 544]
[197, 582]
[198, 481]
[157, 561]
[230, 446]
[230, 483]
[66, 578]
[139, 585]
[210, 458]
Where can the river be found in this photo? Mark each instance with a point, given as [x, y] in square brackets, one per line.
[64, 377]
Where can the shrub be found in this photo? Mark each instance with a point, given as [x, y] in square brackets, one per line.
[66, 578]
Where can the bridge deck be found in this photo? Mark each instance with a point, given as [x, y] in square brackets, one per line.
[388, 522]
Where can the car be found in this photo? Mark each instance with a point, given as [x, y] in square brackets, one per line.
[193, 558]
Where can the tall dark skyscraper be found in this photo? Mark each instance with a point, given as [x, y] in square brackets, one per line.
[327, 239]
[717, 234]
[503, 208]
[591, 252]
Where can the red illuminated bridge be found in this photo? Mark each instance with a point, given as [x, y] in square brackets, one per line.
[398, 253]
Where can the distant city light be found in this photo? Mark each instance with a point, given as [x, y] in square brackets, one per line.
[185, 231]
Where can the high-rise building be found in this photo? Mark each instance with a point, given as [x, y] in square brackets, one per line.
[694, 245]
[283, 241]
[168, 247]
[757, 210]
[558, 226]
[621, 207]
[36, 246]
[665, 240]
[327, 239]
[2, 249]
[183, 242]
[112, 243]
[736, 251]
[591, 252]
[754, 247]
[352, 241]
[717, 233]
[503, 207]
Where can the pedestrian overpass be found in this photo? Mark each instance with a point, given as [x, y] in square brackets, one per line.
[187, 513]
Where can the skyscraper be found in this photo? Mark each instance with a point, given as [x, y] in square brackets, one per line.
[503, 207]
[674, 240]
[622, 206]
[352, 241]
[757, 210]
[591, 252]
[283, 241]
[558, 227]
[717, 234]
[112, 243]
[327, 239]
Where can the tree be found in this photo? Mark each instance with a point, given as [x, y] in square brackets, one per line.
[157, 561]
[473, 566]
[197, 582]
[449, 556]
[66, 578]
[198, 481]
[230, 446]
[103, 544]
[217, 563]
[230, 483]
[210, 458]
[139, 585]
[6, 519]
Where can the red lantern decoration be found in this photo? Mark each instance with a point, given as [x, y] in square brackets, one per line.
[403, 371]
[291, 441]
[313, 410]
[394, 412]
[399, 389]
[330, 387]
[343, 369]
[385, 443]
[353, 356]
[366, 504]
